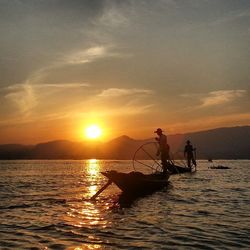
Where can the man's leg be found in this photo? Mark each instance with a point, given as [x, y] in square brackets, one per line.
[193, 161]
[164, 163]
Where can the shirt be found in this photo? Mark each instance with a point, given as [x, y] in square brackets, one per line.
[163, 142]
[189, 149]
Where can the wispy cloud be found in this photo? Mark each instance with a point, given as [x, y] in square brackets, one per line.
[113, 16]
[221, 97]
[88, 55]
[25, 95]
[232, 16]
[214, 98]
[61, 85]
[76, 57]
[116, 92]
[117, 101]
[133, 110]
[128, 109]
[47, 85]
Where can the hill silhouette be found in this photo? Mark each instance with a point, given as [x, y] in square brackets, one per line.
[221, 143]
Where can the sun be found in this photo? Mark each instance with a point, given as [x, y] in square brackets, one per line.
[93, 132]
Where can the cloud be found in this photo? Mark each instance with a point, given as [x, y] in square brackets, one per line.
[88, 55]
[113, 16]
[125, 101]
[122, 110]
[119, 101]
[48, 85]
[25, 95]
[69, 58]
[116, 92]
[221, 97]
[61, 85]
[213, 98]
[232, 16]
[131, 110]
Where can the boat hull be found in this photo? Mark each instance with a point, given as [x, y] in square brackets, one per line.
[136, 183]
[174, 169]
[219, 167]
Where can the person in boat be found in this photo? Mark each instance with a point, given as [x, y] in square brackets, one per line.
[188, 153]
[163, 149]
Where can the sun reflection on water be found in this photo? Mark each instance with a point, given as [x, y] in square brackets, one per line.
[93, 167]
[93, 170]
[86, 214]
[87, 246]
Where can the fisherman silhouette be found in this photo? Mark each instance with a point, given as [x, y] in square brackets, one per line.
[163, 149]
[188, 153]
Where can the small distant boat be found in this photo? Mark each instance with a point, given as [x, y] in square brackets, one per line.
[219, 167]
[137, 183]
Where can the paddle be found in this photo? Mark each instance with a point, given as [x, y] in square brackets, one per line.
[195, 158]
[101, 190]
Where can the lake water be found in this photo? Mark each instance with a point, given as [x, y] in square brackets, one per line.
[45, 205]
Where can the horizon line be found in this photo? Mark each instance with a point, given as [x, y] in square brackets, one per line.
[136, 139]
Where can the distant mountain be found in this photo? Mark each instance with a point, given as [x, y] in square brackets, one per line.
[15, 151]
[61, 149]
[221, 143]
[122, 147]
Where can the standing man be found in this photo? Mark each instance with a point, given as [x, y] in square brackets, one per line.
[163, 149]
[188, 153]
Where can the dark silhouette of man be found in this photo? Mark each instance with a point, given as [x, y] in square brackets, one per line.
[163, 149]
[188, 153]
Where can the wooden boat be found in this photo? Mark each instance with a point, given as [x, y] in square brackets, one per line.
[175, 169]
[219, 167]
[137, 183]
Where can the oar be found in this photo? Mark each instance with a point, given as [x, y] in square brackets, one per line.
[101, 190]
[195, 158]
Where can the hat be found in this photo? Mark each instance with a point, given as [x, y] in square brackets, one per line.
[158, 130]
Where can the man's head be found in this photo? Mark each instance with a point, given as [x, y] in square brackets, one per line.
[158, 131]
[188, 142]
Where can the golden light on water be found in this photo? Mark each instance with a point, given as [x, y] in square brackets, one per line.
[87, 214]
[88, 246]
[93, 167]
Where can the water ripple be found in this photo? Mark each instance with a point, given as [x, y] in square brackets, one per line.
[45, 205]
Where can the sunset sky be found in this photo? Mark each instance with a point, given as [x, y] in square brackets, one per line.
[127, 66]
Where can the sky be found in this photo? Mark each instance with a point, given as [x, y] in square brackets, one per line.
[129, 66]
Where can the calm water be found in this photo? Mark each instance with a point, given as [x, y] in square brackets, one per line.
[45, 205]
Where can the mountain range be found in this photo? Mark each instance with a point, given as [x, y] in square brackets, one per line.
[220, 143]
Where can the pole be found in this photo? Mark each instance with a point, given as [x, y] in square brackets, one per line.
[101, 190]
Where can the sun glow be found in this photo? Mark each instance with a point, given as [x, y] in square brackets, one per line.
[93, 132]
